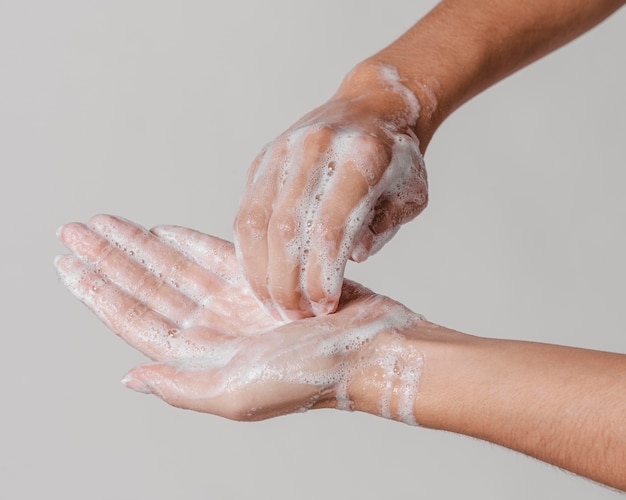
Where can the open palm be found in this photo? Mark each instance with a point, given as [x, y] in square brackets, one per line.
[177, 296]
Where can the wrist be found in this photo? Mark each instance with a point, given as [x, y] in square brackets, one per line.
[432, 362]
[444, 59]
[394, 99]
[392, 370]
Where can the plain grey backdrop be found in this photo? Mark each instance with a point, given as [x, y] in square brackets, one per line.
[153, 110]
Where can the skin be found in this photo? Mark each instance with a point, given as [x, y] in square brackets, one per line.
[459, 49]
[178, 296]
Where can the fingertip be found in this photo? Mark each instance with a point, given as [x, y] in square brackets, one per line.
[324, 308]
[106, 223]
[274, 313]
[100, 219]
[134, 382]
[361, 251]
[57, 261]
[295, 315]
[152, 379]
[66, 266]
[67, 232]
[291, 306]
[60, 265]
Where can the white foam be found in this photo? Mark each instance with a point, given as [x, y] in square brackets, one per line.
[391, 78]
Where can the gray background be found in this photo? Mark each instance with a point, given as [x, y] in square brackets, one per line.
[154, 110]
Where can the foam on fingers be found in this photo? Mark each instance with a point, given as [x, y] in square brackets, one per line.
[212, 253]
[139, 325]
[128, 274]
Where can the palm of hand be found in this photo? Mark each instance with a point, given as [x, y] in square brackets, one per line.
[177, 296]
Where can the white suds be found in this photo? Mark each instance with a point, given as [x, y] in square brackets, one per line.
[391, 78]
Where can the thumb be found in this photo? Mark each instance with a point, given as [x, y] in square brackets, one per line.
[190, 388]
[389, 214]
[166, 381]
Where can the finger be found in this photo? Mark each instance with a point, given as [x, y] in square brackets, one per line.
[291, 220]
[234, 308]
[199, 388]
[128, 274]
[176, 387]
[206, 390]
[252, 220]
[343, 212]
[212, 253]
[161, 259]
[390, 215]
[140, 326]
[404, 198]
[398, 208]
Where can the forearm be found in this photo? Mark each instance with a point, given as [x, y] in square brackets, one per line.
[464, 46]
[562, 405]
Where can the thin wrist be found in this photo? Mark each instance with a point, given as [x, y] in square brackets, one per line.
[437, 354]
[410, 104]
[389, 380]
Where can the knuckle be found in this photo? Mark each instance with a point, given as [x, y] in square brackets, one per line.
[375, 158]
[251, 220]
[320, 137]
[374, 148]
[327, 229]
[283, 226]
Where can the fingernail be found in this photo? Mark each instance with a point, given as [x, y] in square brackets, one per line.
[57, 259]
[323, 308]
[276, 314]
[294, 315]
[136, 384]
[363, 248]
[59, 231]
[359, 253]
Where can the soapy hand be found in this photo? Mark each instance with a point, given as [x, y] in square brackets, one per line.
[336, 185]
[177, 296]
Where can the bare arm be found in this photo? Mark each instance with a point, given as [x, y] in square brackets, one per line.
[462, 47]
[563, 405]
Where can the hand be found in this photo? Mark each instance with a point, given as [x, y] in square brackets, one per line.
[336, 185]
[177, 296]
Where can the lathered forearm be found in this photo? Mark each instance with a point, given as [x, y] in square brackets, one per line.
[464, 46]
